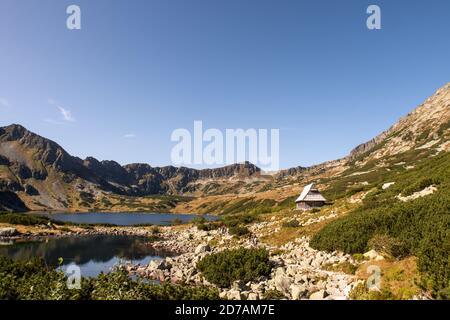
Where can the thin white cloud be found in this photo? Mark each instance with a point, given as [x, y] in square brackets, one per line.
[5, 103]
[66, 114]
[129, 136]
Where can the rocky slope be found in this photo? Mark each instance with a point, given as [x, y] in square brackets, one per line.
[425, 127]
[300, 272]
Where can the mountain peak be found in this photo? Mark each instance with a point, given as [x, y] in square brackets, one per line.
[13, 131]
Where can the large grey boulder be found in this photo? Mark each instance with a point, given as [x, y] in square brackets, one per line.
[297, 291]
[159, 265]
[234, 294]
[282, 281]
[253, 296]
[373, 255]
[8, 232]
[319, 295]
[202, 248]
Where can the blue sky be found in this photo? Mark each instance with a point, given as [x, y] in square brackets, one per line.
[137, 70]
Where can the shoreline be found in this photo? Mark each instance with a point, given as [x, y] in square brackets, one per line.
[40, 233]
[113, 212]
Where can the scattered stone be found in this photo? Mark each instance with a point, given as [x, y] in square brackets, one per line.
[253, 296]
[202, 248]
[234, 294]
[8, 232]
[240, 285]
[372, 254]
[319, 295]
[387, 185]
[297, 291]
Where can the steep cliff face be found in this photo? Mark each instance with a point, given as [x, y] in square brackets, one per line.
[145, 179]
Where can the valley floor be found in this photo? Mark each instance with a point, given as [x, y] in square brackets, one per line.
[298, 271]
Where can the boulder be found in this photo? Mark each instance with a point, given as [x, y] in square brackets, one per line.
[239, 285]
[8, 232]
[301, 278]
[282, 283]
[202, 248]
[244, 295]
[234, 295]
[253, 296]
[319, 295]
[373, 255]
[336, 297]
[387, 185]
[297, 291]
[223, 294]
[178, 275]
[159, 264]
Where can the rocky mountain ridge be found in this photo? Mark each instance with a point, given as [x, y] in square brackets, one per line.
[35, 166]
[426, 126]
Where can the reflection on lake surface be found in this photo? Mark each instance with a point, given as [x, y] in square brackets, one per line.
[93, 254]
[123, 219]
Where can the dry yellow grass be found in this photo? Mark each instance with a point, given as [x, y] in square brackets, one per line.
[399, 277]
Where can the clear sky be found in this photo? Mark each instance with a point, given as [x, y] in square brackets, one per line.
[137, 70]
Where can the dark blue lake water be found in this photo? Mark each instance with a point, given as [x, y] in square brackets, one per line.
[93, 254]
[124, 219]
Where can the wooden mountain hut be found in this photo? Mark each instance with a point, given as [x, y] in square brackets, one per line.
[310, 198]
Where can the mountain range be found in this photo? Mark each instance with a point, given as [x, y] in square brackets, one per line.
[38, 174]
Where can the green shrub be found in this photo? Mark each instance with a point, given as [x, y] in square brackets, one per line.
[208, 226]
[418, 227]
[387, 245]
[238, 231]
[345, 267]
[355, 190]
[199, 220]
[291, 224]
[33, 280]
[273, 295]
[23, 219]
[203, 224]
[225, 267]
[118, 286]
[155, 230]
[239, 219]
[360, 292]
[419, 186]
